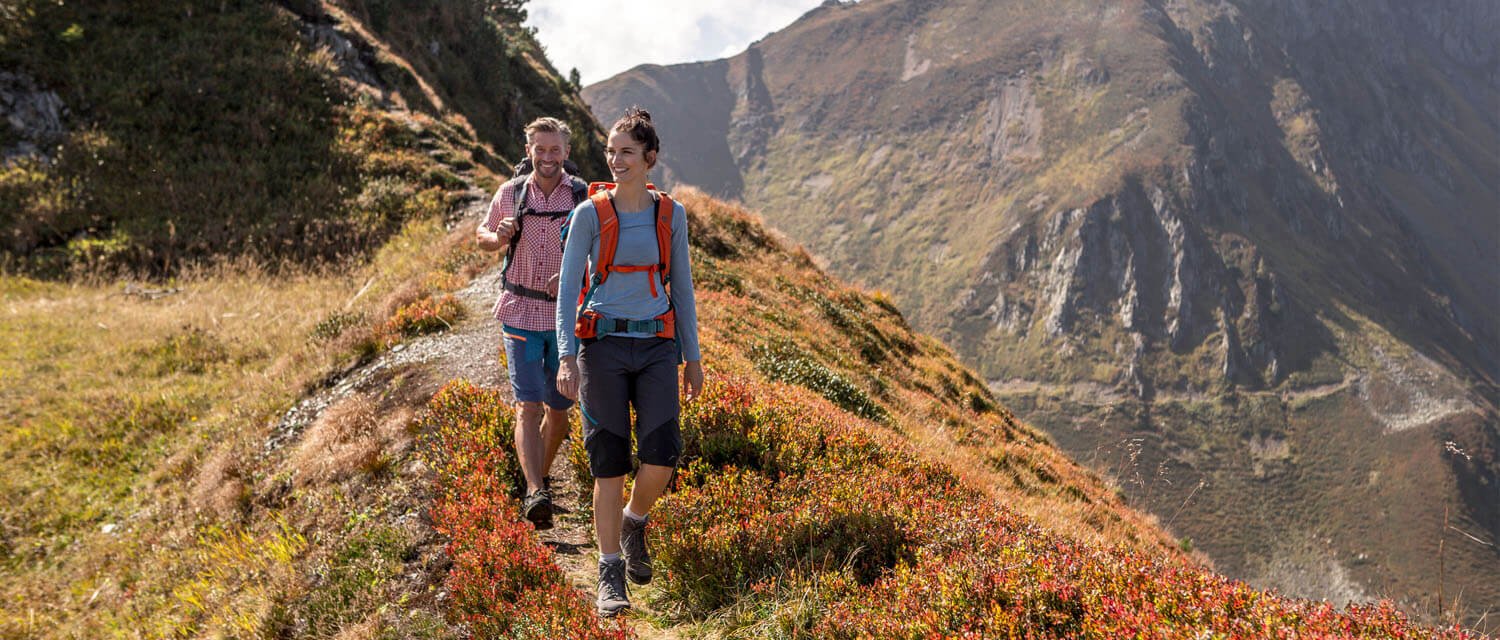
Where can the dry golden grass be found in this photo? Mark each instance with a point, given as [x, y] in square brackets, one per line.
[353, 436]
[219, 486]
[134, 421]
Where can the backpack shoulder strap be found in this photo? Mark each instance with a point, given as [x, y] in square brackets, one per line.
[664, 210]
[523, 195]
[579, 187]
[609, 234]
[518, 189]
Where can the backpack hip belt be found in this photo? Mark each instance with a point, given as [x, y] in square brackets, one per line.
[526, 292]
[595, 325]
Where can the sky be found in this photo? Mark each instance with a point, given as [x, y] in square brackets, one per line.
[604, 37]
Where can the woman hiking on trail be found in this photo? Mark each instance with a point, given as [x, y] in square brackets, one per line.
[621, 346]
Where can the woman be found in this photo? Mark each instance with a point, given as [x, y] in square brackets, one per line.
[621, 349]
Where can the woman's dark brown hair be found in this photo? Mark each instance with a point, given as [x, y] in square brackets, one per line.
[637, 123]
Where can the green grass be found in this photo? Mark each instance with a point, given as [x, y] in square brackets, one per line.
[202, 130]
[783, 361]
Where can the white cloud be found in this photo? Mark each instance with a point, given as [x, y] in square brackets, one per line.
[604, 37]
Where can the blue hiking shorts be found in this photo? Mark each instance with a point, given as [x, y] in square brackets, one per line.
[531, 359]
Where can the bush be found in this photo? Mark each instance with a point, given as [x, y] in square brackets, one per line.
[785, 362]
[426, 315]
[740, 528]
[742, 424]
[503, 580]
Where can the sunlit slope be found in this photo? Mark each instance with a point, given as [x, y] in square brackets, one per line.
[843, 477]
[1195, 242]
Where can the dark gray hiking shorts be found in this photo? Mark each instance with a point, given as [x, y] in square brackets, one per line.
[621, 373]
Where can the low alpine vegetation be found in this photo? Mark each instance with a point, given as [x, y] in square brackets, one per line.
[503, 581]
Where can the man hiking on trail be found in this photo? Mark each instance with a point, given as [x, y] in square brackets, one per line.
[524, 224]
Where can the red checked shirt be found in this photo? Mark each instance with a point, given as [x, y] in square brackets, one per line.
[538, 255]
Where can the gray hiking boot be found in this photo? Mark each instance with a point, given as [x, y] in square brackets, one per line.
[612, 596]
[633, 547]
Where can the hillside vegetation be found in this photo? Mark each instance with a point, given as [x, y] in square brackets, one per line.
[169, 134]
[1238, 255]
[830, 490]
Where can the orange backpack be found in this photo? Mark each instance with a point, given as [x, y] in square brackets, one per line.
[590, 323]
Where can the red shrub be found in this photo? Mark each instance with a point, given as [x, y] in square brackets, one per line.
[503, 581]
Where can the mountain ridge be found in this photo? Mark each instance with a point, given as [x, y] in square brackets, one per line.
[1203, 207]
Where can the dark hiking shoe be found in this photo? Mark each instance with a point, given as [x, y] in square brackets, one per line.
[633, 547]
[537, 508]
[612, 596]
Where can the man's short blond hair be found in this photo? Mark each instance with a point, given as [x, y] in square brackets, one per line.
[548, 125]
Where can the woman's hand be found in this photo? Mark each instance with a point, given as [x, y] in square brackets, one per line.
[567, 377]
[692, 380]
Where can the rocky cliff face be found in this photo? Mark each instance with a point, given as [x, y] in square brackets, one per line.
[1207, 226]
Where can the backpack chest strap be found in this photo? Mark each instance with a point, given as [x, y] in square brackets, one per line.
[650, 269]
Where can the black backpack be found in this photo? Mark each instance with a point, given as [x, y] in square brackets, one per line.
[580, 191]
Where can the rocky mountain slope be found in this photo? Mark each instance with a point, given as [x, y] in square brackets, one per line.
[1238, 255]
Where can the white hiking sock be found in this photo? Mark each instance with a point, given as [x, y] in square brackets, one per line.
[631, 514]
[610, 558]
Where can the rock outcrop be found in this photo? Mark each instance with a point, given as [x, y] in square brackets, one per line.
[35, 116]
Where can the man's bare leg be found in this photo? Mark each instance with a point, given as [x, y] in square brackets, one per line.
[554, 431]
[530, 445]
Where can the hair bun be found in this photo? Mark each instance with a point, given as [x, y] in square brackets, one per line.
[637, 112]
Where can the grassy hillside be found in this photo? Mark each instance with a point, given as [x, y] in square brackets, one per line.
[193, 131]
[830, 490]
[138, 496]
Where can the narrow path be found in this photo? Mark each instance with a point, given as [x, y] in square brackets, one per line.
[1093, 393]
[471, 350]
[575, 551]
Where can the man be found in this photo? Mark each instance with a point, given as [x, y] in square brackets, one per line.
[524, 224]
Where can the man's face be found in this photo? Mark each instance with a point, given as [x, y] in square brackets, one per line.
[547, 150]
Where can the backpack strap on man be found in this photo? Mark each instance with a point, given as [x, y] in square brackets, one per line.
[521, 186]
[518, 187]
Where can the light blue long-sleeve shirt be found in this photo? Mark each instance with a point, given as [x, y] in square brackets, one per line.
[627, 295]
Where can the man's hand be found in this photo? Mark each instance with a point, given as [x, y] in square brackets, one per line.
[567, 377]
[692, 380]
[497, 240]
[506, 229]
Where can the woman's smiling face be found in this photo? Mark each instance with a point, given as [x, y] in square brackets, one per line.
[628, 159]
